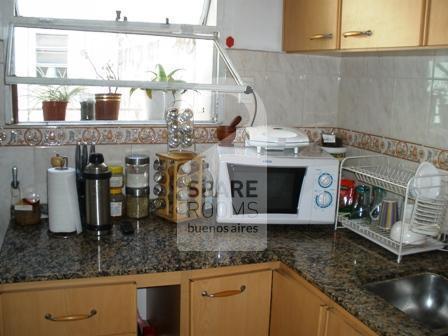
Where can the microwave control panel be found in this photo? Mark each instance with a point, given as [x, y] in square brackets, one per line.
[325, 188]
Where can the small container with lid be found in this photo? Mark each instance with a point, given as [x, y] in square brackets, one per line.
[137, 202]
[137, 171]
[116, 181]
[116, 203]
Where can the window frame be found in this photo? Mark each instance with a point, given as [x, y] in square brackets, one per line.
[201, 31]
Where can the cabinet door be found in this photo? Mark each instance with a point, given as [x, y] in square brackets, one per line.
[381, 23]
[236, 305]
[295, 309]
[336, 325]
[310, 25]
[93, 310]
[438, 22]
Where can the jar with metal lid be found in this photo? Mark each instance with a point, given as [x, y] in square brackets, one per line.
[137, 202]
[116, 181]
[116, 202]
[137, 171]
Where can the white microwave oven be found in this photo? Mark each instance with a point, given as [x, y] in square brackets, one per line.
[276, 187]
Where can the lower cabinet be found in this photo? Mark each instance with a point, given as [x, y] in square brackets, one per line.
[237, 305]
[299, 309]
[70, 311]
[260, 300]
[338, 325]
[295, 309]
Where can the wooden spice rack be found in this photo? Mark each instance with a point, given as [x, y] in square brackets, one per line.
[171, 162]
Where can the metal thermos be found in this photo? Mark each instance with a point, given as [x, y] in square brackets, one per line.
[97, 186]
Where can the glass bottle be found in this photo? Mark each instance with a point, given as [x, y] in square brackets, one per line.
[159, 190]
[116, 202]
[183, 181]
[207, 179]
[378, 195]
[361, 206]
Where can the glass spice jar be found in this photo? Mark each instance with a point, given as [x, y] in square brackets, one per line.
[137, 171]
[116, 203]
[116, 181]
[137, 202]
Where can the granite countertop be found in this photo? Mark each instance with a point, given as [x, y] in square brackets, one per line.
[338, 263]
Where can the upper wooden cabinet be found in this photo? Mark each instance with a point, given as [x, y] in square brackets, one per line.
[382, 23]
[236, 305]
[310, 25]
[437, 28]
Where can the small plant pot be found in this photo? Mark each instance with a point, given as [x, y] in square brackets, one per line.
[226, 135]
[107, 106]
[54, 110]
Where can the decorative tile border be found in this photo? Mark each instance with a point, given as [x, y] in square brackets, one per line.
[396, 148]
[57, 136]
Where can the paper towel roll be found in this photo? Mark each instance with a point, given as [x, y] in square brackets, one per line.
[63, 207]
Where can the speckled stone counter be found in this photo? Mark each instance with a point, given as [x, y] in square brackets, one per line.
[338, 263]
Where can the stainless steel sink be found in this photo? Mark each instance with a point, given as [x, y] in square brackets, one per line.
[423, 297]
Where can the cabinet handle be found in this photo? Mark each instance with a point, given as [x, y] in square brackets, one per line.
[66, 318]
[224, 293]
[358, 33]
[322, 36]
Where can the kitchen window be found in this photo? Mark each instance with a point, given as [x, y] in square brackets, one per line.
[78, 44]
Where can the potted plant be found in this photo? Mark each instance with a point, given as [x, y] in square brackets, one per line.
[107, 105]
[54, 101]
[157, 100]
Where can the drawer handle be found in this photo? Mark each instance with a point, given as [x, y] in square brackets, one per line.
[322, 36]
[358, 33]
[224, 293]
[66, 318]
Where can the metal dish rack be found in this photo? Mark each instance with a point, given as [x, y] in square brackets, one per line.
[391, 175]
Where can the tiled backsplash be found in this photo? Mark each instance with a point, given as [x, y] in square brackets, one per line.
[397, 96]
[392, 104]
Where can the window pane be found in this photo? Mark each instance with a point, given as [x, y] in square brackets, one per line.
[132, 57]
[178, 11]
[135, 107]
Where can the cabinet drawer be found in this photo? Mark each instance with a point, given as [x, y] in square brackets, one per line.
[90, 310]
[231, 305]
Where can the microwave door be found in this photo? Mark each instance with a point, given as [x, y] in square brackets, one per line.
[265, 190]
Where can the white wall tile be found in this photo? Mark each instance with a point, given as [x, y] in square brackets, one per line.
[23, 159]
[353, 66]
[437, 131]
[323, 65]
[321, 100]
[2, 52]
[414, 66]
[380, 66]
[410, 112]
[441, 66]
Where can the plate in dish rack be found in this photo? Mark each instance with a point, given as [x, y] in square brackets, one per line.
[427, 181]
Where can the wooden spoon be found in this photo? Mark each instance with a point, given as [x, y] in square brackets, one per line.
[235, 121]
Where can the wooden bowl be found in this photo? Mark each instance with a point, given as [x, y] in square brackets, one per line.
[226, 135]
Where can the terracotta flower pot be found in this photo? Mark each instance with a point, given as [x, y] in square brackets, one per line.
[54, 110]
[107, 106]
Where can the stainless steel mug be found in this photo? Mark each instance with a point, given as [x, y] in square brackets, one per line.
[389, 213]
[97, 181]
